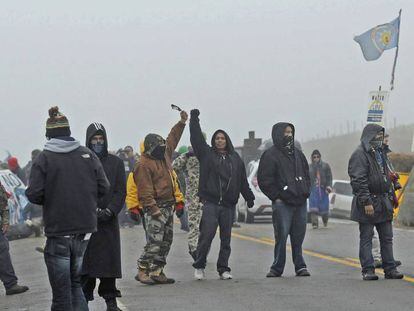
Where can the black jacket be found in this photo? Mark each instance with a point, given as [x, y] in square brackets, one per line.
[281, 175]
[103, 255]
[369, 185]
[222, 179]
[67, 180]
[324, 171]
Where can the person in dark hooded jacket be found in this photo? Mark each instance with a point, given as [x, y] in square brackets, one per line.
[103, 255]
[372, 205]
[321, 185]
[283, 176]
[222, 179]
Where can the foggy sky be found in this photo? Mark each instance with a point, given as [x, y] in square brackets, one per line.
[245, 64]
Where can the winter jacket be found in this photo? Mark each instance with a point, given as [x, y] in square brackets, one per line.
[189, 165]
[154, 177]
[325, 174]
[4, 211]
[369, 185]
[132, 192]
[67, 180]
[281, 175]
[102, 258]
[222, 178]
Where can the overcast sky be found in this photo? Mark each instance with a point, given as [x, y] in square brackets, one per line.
[245, 64]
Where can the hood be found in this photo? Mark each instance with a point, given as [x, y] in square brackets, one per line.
[151, 142]
[278, 132]
[229, 144]
[96, 129]
[61, 146]
[369, 132]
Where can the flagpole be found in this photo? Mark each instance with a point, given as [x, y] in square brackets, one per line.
[396, 52]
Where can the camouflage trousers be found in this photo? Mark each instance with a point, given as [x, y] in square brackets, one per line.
[159, 240]
[194, 219]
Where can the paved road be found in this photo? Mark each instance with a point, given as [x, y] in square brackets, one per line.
[330, 254]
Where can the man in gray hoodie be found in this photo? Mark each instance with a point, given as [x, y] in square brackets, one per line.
[67, 179]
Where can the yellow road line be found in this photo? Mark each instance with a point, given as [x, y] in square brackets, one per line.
[350, 262]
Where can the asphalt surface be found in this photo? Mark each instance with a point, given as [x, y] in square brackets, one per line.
[330, 253]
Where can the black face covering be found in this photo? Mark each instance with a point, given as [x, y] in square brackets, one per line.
[159, 152]
[288, 143]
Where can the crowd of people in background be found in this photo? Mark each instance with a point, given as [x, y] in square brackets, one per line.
[87, 192]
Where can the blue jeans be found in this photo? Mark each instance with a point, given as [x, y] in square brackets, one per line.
[63, 257]
[366, 233]
[288, 220]
[7, 275]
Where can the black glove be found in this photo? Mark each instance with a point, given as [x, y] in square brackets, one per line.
[104, 214]
[250, 204]
[194, 113]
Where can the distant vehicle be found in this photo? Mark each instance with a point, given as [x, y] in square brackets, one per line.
[340, 199]
[262, 205]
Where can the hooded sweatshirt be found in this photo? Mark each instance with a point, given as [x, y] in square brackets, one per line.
[222, 175]
[370, 184]
[67, 180]
[282, 174]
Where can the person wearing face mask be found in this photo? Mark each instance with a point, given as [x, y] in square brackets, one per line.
[153, 176]
[222, 179]
[372, 205]
[283, 176]
[102, 258]
[321, 185]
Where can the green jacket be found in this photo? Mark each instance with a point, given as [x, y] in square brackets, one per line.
[4, 211]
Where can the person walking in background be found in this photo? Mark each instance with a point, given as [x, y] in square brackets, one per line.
[222, 179]
[103, 255]
[321, 185]
[188, 165]
[67, 179]
[7, 274]
[372, 205]
[283, 176]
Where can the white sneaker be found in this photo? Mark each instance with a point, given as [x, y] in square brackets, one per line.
[199, 274]
[226, 276]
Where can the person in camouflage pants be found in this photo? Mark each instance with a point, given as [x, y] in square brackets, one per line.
[188, 164]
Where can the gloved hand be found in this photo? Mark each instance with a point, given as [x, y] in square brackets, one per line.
[179, 209]
[134, 214]
[104, 214]
[250, 204]
[194, 113]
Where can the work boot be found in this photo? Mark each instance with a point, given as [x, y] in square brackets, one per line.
[161, 278]
[273, 274]
[143, 277]
[369, 276]
[111, 305]
[16, 289]
[394, 275]
[303, 272]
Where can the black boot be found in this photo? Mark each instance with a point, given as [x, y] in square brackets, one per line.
[394, 275]
[369, 276]
[16, 289]
[111, 305]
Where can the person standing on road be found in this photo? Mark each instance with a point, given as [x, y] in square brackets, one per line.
[103, 255]
[153, 176]
[372, 205]
[222, 179]
[15, 168]
[283, 176]
[321, 185]
[7, 275]
[67, 179]
[188, 165]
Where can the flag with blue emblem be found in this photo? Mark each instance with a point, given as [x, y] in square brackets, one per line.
[378, 39]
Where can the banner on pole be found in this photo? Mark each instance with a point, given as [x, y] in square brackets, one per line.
[376, 108]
